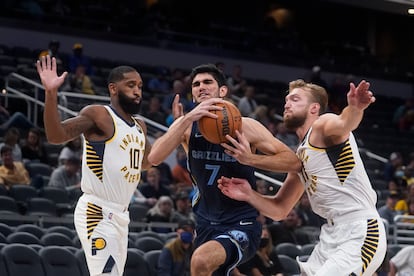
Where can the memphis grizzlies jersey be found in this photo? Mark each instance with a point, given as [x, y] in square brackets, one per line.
[335, 178]
[111, 169]
[207, 163]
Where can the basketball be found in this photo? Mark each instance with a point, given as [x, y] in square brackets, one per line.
[229, 120]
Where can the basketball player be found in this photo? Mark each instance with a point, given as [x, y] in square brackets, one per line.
[227, 232]
[353, 242]
[114, 153]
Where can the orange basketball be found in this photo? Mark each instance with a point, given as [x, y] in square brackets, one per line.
[215, 130]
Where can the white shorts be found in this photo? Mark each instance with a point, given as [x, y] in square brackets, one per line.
[102, 228]
[348, 246]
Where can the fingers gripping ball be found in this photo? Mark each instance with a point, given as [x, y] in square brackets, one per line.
[229, 120]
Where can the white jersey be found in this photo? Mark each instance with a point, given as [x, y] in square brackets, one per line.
[335, 179]
[111, 169]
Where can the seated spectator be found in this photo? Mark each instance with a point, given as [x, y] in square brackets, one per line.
[387, 211]
[286, 230]
[286, 136]
[67, 176]
[402, 115]
[11, 139]
[12, 172]
[247, 104]
[179, 171]
[79, 81]
[154, 111]
[160, 84]
[33, 149]
[403, 262]
[393, 165]
[72, 148]
[53, 51]
[401, 206]
[78, 58]
[163, 211]
[139, 198]
[175, 257]
[17, 120]
[183, 208]
[265, 262]
[153, 186]
[410, 211]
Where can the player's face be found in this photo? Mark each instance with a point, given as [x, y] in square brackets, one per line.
[296, 109]
[130, 93]
[204, 87]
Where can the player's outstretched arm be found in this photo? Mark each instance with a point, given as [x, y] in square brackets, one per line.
[359, 98]
[276, 207]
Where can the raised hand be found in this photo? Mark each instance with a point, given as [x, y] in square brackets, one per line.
[47, 69]
[360, 97]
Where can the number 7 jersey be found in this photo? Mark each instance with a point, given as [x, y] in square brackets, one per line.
[111, 169]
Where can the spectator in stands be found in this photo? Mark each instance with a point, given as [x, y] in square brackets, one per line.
[67, 176]
[183, 209]
[154, 111]
[286, 230]
[179, 171]
[262, 187]
[17, 119]
[79, 81]
[12, 139]
[178, 87]
[153, 186]
[247, 104]
[53, 51]
[78, 58]
[410, 212]
[401, 206]
[175, 257]
[387, 211]
[236, 82]
[160, 83]
[33, 149]
[139, 198]
[286, 136]
[402, 117]
[163, 211]
[265, 262]
[12, 172]
[72, 148]
[394, 164]
[403, 262]
[306, 214]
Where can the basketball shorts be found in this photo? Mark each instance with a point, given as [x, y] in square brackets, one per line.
[348, 246]
[102, 228]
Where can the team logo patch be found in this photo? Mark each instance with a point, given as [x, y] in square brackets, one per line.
[98, 244]
[240, 237]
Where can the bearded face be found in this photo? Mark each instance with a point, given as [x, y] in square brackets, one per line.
[129, 105]
[294, 121]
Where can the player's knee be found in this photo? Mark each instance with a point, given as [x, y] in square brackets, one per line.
[199, 263]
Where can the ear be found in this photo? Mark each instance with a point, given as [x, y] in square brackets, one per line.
[314, 108]
[112, 88]
[223, 91]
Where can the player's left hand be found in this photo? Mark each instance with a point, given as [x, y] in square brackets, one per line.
[360, 97]
[177, 107]
[239, 148]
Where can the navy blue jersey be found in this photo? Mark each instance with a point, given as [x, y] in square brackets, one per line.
[207, 163]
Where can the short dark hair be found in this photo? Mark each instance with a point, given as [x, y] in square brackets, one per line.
[117, 74]
[209, 68]
[5, 149]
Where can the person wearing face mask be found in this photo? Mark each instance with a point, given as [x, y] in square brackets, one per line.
[265, 262]
[175, 257]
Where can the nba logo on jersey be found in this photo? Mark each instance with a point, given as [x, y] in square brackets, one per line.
[110, 215]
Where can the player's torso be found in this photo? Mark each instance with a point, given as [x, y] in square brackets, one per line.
[335, 178]
[111, 169]
[207, 163]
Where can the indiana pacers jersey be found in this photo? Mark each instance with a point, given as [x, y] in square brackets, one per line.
[207, 163]
[335, 178]
[111, 169]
